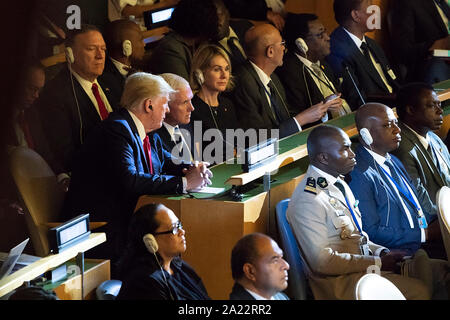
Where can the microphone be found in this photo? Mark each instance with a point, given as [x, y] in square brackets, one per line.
[344, 65]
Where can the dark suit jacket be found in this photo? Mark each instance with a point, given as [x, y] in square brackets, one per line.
[167, 141]
[415, 25]
[113, 80]
[419, 163]
[172, 55]
[369, 82]
[60, 119]
[293, 74]
[252, 107]
[383, 217]
[111, 173]
[239, 293]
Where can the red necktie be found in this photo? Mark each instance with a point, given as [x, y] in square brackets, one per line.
[26, 130]
[101, 106]
[148, 153]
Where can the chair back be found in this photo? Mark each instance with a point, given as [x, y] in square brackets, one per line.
[443, 202]
[41, 196]
[297, 284]
[108, 290]
[372, 286]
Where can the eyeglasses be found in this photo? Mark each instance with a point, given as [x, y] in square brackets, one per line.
[174, 230]
[318, 35]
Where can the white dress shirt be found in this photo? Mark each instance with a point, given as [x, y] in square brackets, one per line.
[142, 135]
[380, 160]
[87, 87]
[265, 79]
[122, 68]
[257, 296]
[377, 66]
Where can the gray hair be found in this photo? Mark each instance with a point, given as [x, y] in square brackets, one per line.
[140, 86]
[175, 81]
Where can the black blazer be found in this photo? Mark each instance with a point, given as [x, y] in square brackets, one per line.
[369, 82]
[252, 107]
[414, 26]
[63, 126]
[111, 173]
[297, 81]
[113, 80]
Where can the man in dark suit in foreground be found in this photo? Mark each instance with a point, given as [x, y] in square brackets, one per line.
[118, 163]
[258, 268]
[364, 58]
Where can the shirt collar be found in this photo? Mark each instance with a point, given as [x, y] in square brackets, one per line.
[355, 39]
[257, 296]
[378, 158]
[424, 141]
[305, 61]
[261, 74]
[139, 125]
[120, 66]
[86, 84]
[170, 128]
[330, 179]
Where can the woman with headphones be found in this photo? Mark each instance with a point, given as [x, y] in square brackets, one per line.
[151, 268]
[210, 77]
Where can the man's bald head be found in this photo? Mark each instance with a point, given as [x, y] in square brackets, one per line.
[367, 113]
[258, 38]
[381, 122]
[320, 137]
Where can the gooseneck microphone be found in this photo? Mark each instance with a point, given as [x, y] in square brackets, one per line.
[344, 65]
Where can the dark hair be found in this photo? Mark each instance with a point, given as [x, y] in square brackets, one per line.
[244, 251]
[142, 222]
[297, 26]
[32, 293]
[316, 142]
[409, 95]
[195, 19]
[344, 8]
[72, 34]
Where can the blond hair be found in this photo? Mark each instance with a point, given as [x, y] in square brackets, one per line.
[202, 60]
[140, 86]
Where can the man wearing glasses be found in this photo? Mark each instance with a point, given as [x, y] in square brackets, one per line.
[364, 58]
[307, 78]
[259, 96]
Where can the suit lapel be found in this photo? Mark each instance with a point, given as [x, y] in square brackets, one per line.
[408, 134]
[137, 138]
[262, 92]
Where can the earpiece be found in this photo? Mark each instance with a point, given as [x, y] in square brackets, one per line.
[301, 45]
[366, 136]
[127, 48]
[69, 55]
[199, 76]
[150, 243]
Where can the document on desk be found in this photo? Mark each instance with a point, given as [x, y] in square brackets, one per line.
[210, 190]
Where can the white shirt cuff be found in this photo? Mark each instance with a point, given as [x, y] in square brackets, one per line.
[298, 125]
[377, 261]
[378, 251]
[62, 176]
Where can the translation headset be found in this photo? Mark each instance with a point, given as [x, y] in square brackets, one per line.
[365, 135]
[152, 247]
[199, 77]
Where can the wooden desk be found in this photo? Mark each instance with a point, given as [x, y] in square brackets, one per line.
[28, 273]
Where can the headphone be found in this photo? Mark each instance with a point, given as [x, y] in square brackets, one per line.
[301, 45]
[199, 76]
[150, 243]
[366, 136]
[127, 48]
[69, 55]
[152, 247]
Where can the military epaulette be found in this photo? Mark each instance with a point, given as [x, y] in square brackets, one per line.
[322, 182]
[311, 185]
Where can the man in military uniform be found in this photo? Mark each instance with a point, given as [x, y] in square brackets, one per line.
[326, 221]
